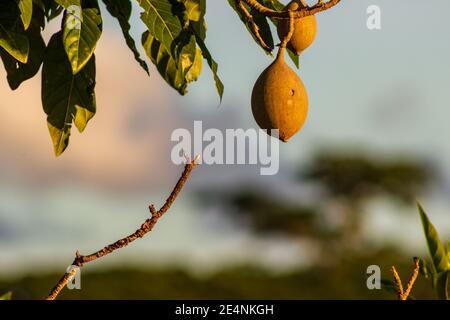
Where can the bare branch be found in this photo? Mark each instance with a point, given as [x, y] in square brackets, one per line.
[412, 279]
[398, 282]
[252, 25]
[404, 294]
[146, 227]
[299, 13]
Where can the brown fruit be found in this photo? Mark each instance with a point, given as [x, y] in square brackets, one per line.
[279, 99]
[305, 30]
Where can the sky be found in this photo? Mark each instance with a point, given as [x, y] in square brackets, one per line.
[384, 92]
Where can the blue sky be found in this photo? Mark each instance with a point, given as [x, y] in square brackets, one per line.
[382, 91]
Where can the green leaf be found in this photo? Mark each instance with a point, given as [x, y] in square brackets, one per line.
[212, 64]
[66, 4]
[443, 285]
[194, 11]
[435, 246]
[9, 14]
[261, 21]
[15, 44]
[121, 10]
[295, 58]
[448, 251]
[200, 25]
[81, 32]
[177, 73]
[6, 296]
[196, 68]
[425, 269]
[66, 98]
[160, 17]
[51, 8]
[198, 28]
[19, 72]
[26, 12]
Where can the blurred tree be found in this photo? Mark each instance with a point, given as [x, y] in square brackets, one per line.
[357, 177]
[346, 182]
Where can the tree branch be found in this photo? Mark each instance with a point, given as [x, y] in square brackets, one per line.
[146, 227]
[300, 13]
[404, 294]
[252, 25]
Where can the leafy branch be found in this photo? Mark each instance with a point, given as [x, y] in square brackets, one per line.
[174, 42]
[146, 227]
[437, 269]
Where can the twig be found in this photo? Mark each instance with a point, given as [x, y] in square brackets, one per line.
[299, 13]
[398, 282]
[146, 227]
[404, 294]
[412, 278]
[252, 25]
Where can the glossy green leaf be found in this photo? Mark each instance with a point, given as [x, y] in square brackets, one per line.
[6, 296]
[15, 44]
[199, 26]
[18, 72]
[81, 32]
[121, 10]
[163, 23]
[66, 4]
[435, 246]
[9, 15]
[51, 8]
[199, 30]
[295, 58]
[424, 268]
[194, 11]
[261, 21]
[177, 73]
[66, 98]
[212, 64]
[448, 250]
[26, 12]
[196, 69]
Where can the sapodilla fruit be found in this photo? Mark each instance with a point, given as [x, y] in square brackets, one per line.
[305, 29]
[279, 99]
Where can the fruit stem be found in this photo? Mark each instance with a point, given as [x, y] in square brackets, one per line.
[288, 36]
[280, 54]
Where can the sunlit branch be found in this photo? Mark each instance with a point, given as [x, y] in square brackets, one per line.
[146, 227]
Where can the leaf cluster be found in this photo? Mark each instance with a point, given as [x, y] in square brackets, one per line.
[174, 42]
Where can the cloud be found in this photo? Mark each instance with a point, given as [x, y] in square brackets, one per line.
[128, 136]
